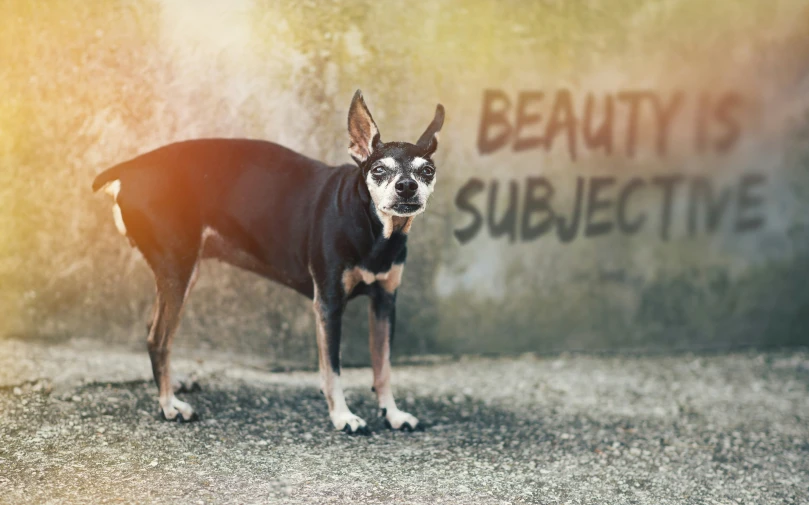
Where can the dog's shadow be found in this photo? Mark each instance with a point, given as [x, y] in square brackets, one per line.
[269, 411]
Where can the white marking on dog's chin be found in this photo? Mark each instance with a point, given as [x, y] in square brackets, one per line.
[405, 214]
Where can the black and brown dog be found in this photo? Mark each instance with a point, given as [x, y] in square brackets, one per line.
[330, 233]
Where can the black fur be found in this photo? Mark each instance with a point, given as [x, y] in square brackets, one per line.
[272, 211]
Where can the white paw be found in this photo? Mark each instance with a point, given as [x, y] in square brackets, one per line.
[348, 422]
[173, 409]
[400, 420]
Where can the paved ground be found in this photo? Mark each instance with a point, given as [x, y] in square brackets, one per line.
[79, 425]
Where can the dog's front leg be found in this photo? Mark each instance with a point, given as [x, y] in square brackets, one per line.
[382, 318]
[328, 318]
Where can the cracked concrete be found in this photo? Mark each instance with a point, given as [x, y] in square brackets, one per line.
[79, 424]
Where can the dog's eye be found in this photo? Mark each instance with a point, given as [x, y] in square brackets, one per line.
[378, 171]
[427, 171]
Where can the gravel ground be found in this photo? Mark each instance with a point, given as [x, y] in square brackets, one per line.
[79, 425]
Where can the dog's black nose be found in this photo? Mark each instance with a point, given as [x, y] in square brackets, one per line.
[406, 188]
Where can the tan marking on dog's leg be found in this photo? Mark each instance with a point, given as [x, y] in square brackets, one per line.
[380, 362]
[153, 316]
[350, 280]
[394, 278]
[366, 276]
[341, 416]
[191, 282]
[170, 302]
[190, 384]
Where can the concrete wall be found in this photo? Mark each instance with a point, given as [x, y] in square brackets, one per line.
[720, 104]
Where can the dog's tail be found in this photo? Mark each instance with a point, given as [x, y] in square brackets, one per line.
[110, 181]
[111, 174]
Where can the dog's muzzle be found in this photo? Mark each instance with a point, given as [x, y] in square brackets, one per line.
[406, 209]
[406, 188]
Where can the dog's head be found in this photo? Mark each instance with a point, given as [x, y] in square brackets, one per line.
[400, 176]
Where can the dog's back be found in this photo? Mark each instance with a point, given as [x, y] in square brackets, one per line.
[210, 165]
[198, 198]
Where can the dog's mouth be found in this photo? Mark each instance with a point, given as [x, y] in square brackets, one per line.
[406, 209]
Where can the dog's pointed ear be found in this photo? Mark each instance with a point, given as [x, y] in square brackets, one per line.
[362, 131]
[429, 139]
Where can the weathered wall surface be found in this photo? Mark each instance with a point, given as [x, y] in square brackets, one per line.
[693, 211]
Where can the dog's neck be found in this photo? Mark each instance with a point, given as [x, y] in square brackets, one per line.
[392, 224]
[390, 238]
[389, 233]
[387, 224]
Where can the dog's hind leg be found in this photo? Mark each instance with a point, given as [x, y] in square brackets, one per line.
[184, 383]
[179, 384]
[167, 229]
[172, 290]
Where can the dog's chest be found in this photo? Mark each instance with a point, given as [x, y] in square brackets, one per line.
[389, 280]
